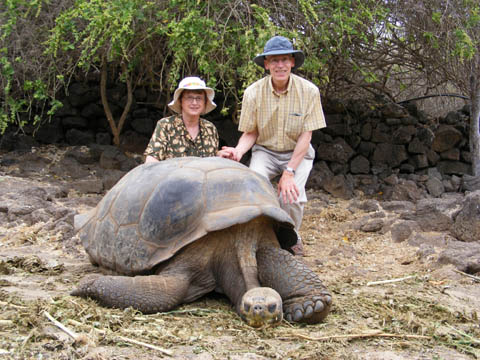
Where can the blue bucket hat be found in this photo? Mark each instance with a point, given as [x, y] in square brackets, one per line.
[279, 45]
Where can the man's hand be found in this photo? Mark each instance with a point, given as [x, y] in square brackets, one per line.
[287, 188]
[245, 143]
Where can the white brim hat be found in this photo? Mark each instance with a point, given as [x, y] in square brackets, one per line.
[192, 83]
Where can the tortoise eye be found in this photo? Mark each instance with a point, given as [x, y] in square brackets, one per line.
[246, 307]
[272, 308]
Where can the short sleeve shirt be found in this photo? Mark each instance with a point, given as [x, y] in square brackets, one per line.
[279, 119]
[171, 139]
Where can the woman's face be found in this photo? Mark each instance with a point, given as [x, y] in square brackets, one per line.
[193, 102]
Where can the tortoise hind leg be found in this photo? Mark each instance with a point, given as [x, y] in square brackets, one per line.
[305, 298]
[149, 294]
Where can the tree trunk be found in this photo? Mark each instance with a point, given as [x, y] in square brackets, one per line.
[116, 130]
[475, 119]
[475, 136]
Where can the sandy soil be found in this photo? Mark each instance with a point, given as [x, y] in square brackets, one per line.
[431, 312]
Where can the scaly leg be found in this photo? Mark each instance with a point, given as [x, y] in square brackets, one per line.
[149, 294]
[237, 276]
[305, 298]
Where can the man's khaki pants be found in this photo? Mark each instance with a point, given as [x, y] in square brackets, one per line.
[272, 163]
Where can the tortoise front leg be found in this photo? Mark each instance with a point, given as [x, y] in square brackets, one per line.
[237, 276]
[149, 294]
[305, 298]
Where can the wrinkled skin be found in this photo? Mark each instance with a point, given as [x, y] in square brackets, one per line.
[245, 262]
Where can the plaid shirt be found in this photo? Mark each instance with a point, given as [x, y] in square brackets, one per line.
[279, 119]
[171, 139]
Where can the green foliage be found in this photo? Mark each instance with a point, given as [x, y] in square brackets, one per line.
[456, 29]
[176, 38]
[464, 45]
[437, 17]
[163, 41]
[339, 29]
[447, 37]
[33, 90]
[12, 10]
[196, 29]
[98, 28]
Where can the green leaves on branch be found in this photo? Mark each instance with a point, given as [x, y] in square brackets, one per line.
[17, 99]
[193, 41]
[455, 29]
[465, 47]
[99, 27]
[154, 44]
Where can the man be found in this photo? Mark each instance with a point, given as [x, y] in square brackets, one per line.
[279, 113]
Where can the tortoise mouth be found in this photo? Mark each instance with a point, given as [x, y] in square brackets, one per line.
[261, 322]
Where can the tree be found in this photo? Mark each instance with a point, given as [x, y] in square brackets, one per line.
[155, 43]
[440, 40]
[28, 80]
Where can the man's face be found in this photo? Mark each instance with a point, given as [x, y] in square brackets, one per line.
[279, 66]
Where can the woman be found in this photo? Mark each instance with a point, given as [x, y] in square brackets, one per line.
[186, 133]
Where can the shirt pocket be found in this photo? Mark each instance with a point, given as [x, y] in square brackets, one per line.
[294, 124]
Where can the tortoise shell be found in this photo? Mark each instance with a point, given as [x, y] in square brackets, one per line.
[158, 208]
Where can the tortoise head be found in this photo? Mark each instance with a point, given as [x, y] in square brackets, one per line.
[261, 306]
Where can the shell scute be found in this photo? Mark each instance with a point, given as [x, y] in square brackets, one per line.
[156, 209]
[175, 208]
[102, 245]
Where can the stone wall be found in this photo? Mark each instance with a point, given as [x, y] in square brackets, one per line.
[376, 148]
[82, 121]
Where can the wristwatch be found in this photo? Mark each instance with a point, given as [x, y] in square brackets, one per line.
[290, 170]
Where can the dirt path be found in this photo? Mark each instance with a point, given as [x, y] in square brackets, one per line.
[431, 312]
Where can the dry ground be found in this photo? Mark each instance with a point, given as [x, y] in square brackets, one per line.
[430, 313]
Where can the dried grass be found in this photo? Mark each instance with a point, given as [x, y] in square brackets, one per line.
[396, 320]
[408, 317]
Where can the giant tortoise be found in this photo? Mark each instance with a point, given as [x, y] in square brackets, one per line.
[178, 229]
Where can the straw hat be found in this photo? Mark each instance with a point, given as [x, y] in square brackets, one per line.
[279, 45]
[192, 83]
